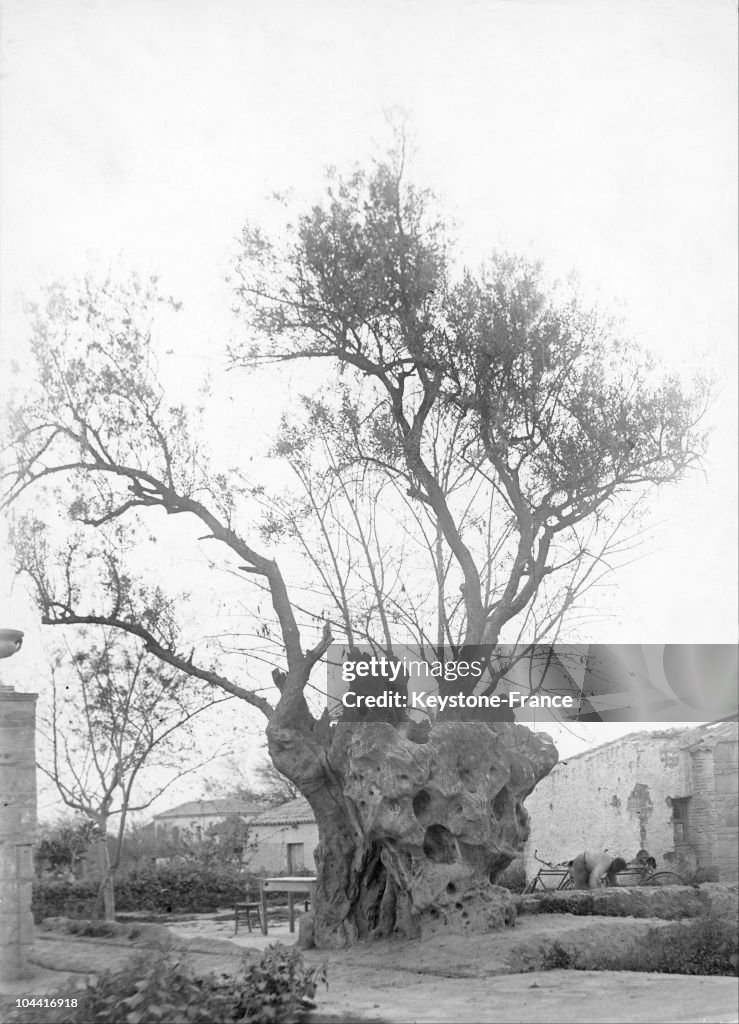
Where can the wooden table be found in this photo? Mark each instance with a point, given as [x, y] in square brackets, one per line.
[290, 884]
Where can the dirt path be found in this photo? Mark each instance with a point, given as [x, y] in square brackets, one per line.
[504, 952]
[582, 997]
[450, 978]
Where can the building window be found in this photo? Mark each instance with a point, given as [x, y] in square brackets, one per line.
[680, 819]
[295, 858]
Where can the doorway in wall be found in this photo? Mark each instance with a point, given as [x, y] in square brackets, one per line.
[295, 858]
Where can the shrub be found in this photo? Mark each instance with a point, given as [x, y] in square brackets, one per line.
[558, 958]
[180, 887]
[157, 935]
[514, 876]
[277, 989]
[707, 946]
[52, 898]
[168, 889]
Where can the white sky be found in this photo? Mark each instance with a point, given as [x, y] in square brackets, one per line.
[599, 135]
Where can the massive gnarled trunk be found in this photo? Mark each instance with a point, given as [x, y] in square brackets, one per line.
[414, 827]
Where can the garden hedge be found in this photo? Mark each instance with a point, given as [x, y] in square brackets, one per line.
[163, 890]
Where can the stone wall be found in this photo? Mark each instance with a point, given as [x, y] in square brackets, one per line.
[726, 772]
[272, 841]
[616, 797]
[702, 808]
[17, 828]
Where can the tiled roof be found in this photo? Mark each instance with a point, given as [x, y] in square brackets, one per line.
[718, 732]
[221, 806]
[724, 729]
[294, 812]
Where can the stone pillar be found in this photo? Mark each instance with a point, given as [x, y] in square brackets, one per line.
[702, 807]
[726, 767]
[17, 828]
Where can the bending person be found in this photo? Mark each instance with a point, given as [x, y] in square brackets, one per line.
[591, 867]
[644, 860]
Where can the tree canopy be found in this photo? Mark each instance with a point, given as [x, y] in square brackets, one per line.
[118, 734]
[490, 373]
[466, 466]
[499, 421]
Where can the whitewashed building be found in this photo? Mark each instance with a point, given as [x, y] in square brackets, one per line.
[195, 820]
[672, 792]
[276, 840]
[283, 839]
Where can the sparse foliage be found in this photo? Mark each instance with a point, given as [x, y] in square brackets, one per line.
[470, 466]
[62, 844]
[261, 783]
[120, 717]
[278, 989]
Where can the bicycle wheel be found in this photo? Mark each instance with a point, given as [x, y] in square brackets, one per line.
[664, 878]
[532, 885]
[568, 884]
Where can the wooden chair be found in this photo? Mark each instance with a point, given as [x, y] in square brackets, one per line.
[244, 910]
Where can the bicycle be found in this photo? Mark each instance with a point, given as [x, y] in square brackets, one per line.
[558, 877]
[552, 873]
[647, 875]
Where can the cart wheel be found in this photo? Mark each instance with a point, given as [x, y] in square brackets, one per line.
[665, 878]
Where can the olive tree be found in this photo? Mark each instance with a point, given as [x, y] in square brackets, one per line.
[469, 461]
